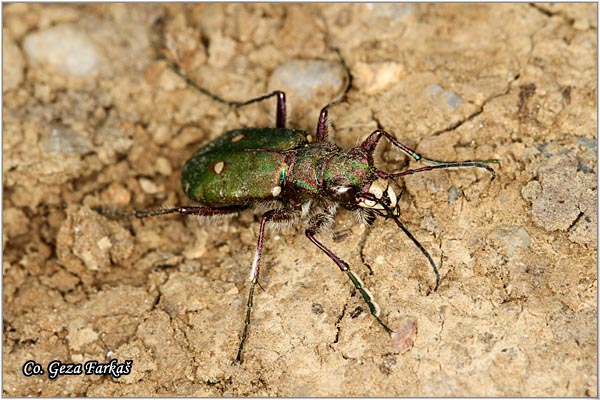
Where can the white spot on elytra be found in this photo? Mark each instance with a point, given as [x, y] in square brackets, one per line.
[218, 168]
[237, 138]
[276, 191]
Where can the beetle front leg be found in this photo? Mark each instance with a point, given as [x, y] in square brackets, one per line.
[279, 215]
[281, 113]
[371, 142]
[315, 225]
[281, 109]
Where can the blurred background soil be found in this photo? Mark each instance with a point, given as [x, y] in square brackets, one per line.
[91, 119]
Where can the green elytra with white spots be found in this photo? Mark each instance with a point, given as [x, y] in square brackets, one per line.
[241, 166]
[252, 164]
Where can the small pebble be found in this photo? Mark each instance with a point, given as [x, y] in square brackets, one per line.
[514, 236]
[66, 141]
[64, 48]
[163, 166]
[403, 337]
[377, 77]
[308, 77]
[148, 186]
[451, 99]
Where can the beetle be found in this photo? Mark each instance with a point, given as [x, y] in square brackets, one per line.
[296, 179]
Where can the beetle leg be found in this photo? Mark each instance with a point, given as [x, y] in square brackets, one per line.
[281, 114]
[188, 210]
[279, 119]
[423, 250]
[322, 125]
[315, 224]
[278, 215]
[371, 142]
[184, 210]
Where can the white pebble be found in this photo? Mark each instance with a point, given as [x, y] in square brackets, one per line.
[63, 47]
[307, 77]
[376, 77]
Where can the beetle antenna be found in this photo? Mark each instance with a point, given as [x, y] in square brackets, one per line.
[396, 219]
[423, 250]
[442, 165]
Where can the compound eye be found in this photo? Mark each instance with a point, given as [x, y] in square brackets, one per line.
[344, 194]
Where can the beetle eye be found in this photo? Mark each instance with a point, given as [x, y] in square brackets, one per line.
[344, 194]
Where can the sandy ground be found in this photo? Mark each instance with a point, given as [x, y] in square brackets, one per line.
[108, 125]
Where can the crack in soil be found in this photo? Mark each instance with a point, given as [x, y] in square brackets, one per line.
[550, 14]
[337, 326]
[361, 244]
[477, 112]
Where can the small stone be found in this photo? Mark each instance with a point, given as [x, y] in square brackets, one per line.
[531, 191]
[104, 243]
[377, 77]
[66, 141]
[514, 236]
[403, 337]
[451, 99]
[304, 79]
[64, 48]
[163, 166]
[148, 186]
[80, 337]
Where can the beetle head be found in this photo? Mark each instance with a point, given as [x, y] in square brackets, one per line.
[379, 195]
[351, 181]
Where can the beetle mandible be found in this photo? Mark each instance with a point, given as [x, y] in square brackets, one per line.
[297, 180]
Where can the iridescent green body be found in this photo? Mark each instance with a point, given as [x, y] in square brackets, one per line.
[257, 164]
[241, 166]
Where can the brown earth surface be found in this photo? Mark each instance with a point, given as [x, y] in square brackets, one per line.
[516, 311]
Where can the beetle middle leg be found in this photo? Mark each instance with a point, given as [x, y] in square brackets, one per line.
[315, 224]
[278, 215]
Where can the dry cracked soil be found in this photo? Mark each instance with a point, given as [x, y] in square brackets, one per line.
[92, 117]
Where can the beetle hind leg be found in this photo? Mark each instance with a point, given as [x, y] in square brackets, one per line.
[278, 215]
[182, 210]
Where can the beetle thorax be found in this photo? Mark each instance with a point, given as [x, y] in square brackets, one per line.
[351, 180]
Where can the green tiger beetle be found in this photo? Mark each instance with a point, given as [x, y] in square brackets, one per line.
[297, 179]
